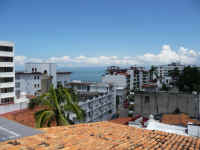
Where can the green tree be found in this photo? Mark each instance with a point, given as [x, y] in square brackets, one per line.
[174, 73]
[57, 104]
[189, 80]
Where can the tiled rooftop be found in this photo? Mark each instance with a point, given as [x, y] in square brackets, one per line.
[25, 117]
[123, 121]
[178, 119]
[101, 135]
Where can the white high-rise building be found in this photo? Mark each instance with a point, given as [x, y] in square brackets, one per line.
[7, 73]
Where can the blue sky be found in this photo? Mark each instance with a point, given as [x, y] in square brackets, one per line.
[87, 29]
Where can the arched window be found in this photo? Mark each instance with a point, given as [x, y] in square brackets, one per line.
[45, 71]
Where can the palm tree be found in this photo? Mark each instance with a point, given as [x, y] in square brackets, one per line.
[57, 106]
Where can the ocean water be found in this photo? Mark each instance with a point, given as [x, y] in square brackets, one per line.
[86, 73]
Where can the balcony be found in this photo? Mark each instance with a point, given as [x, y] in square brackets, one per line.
[6, 64]
[6, 95]
[7, 85]
[7, 74]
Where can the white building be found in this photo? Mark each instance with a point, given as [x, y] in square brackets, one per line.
[91, 87]
[138, 77]
[30, 81]
[116, 79]
[46, 68]
[98, 100]
[100, 107]
[7, 73]
[163, 70]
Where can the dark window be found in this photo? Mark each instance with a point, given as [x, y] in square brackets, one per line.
[17, 84]
[6, 69]
[45, 71]
[147, 99]
[34, 77]
[6, 59]
[7, 100]
[6, 48]
[38, 77]
[5, 80]
[17, 77]
[17, 93]
[35, 85]
[6, 90]
[35, 69]
[38, 85]
[32, 69]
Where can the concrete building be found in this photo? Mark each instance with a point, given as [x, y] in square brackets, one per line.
[46, 68]
[29, 83]
[98, 100]
[63, 78]
[117, 77]
[100, 107]
[117, 80]
[38, 77]
[138, 77]
[92, 87]
[147, 103]
[7, 73]
[163, 71]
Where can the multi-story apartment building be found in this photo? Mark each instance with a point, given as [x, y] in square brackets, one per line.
[138, 77]
[30, 81]
[163, 71]
[117, 77]
[98, 100]
[46, 68]
[7, 75]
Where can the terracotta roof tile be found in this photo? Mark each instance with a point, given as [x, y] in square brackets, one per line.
[178, 119]
[123, 120]
[25, 116]
[101, 135]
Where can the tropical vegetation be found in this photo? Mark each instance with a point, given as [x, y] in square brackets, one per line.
[57, 105]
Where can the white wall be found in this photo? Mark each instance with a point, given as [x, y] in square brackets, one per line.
[41, 67]
[27, 83]
[13, 107]
[116, 80]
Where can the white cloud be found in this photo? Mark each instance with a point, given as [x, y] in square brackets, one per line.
[165, 56]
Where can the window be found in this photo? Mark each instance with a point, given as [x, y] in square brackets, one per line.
[38, 85]
[17, 93]
[6, 69]
[34, 77]
[147, 99]
[6, 90]
[35, 85]
[45, 71]
[17, 84]
[6, 48]
[32, 69]
[7, 100]
[6, 59]
[35, 69]
[5, 80]
[38, 77]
